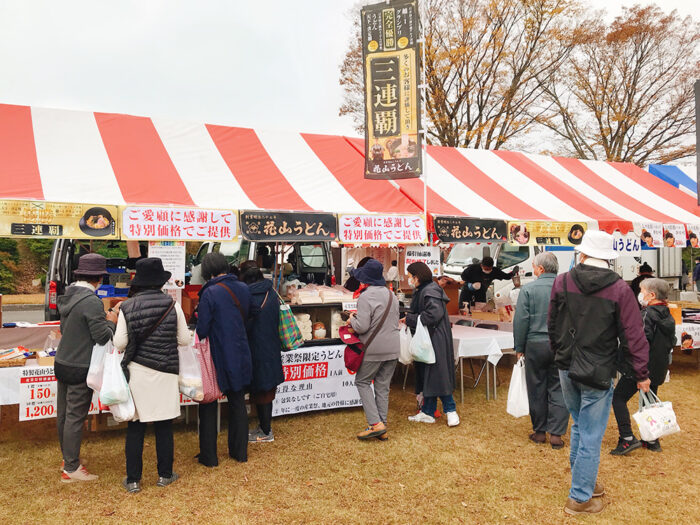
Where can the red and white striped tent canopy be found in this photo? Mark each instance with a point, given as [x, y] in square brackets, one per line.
[102, 158]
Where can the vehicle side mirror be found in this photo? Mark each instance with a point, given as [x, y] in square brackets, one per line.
[528, 274]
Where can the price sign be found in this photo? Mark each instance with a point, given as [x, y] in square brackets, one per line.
[350, 306]
[629, 244]
[37, 394]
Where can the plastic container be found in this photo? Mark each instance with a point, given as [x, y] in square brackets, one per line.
[106, 290]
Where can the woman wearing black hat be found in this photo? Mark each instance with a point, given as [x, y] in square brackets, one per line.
[150, 327]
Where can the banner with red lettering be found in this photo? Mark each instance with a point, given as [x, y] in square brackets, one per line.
[381, 229]
[178, 224]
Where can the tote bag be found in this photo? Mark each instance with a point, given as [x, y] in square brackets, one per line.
[290, 335]
[655, 418]
[210, 386]
[421, 345]
[518, 405]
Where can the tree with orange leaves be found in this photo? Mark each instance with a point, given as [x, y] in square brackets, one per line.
[626, 93]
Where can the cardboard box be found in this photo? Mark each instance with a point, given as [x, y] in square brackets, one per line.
[676, 312]
[486, 316]
[44, 361]
[109, 302]
[104, 421]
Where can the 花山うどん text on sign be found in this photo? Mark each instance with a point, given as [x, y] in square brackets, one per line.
[178, 224]
[288, 227]
[464, 229]
[381, 229]
[392, 103]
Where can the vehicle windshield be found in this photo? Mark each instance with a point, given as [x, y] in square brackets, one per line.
[464, 254]
[312, 256]
[512, 255]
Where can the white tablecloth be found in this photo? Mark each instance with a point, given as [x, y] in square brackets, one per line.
[502, 325]
[479, 342]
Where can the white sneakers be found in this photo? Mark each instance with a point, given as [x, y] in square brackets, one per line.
[452, 419]
[81, 474]
[421, 417]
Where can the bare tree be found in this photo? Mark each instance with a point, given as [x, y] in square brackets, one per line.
[626, 93]
[485, 62]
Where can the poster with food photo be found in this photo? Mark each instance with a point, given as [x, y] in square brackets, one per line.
[546, 233]
[674, 236]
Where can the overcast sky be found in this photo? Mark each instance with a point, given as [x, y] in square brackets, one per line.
[265, 64]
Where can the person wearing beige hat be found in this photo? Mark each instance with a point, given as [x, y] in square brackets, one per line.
[593, 319]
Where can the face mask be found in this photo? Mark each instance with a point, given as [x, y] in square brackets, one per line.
[411, 283]
[641, 299]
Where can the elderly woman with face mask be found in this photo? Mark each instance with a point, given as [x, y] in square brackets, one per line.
[548, 412]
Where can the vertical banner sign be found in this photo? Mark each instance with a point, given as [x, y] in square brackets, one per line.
[172, 253]
[390, 58]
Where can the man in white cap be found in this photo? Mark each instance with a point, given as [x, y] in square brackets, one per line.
[593, 319]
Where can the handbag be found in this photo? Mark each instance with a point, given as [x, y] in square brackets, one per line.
[518, 404]
[421, 345]
[581, 368]
[97, 365]
[210, 386]
[355, 351]
[114, 389]
[655, 418]
[289, 333]
[405, 356]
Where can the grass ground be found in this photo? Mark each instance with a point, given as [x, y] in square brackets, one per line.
[484, 471]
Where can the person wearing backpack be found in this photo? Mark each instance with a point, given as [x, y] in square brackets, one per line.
[225, 306]
[149, 329]
[660, 331]
[593, 320]
[377, 325]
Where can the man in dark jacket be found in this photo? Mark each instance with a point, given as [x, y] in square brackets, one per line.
[660, 331]
[478, 277]
[83, 325]
[546, 401]
[593, 319]
[696, 274]
[645, 272]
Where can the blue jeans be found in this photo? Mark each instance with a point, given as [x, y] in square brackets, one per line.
[590, 410]
[430, 404]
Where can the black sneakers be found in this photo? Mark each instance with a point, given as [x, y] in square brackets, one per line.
[625, 447]
[653, 446]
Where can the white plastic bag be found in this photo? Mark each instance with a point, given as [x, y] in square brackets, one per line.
[114, 389]
[655, 418]
[190, 376]
[518, 405]
[97, 362]
[405, 357]
[123, 411]
[421, 345]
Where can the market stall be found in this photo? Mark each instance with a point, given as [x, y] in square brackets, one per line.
[200, 174]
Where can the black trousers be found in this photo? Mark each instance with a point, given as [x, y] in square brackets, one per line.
[134, 449]
[265, 416]
[548, 412]
[624, 390]
[237, 430]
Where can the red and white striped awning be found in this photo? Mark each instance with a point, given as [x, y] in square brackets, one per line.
[101, 158]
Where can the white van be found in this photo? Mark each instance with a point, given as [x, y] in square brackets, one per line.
[311, 261]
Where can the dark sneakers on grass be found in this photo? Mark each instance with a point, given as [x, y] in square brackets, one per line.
[653, 446]
[625, 446]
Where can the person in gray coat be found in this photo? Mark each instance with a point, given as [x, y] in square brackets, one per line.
[372, 320]
[438, 379]
[83, 325]
[548, 412]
